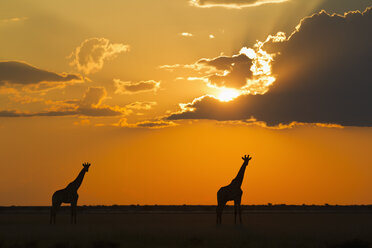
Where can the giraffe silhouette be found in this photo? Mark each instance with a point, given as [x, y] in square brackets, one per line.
[68, 195]
[232, 192]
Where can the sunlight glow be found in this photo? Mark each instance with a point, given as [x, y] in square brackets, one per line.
[249, 52]
[259, 83]
[186, 34]
[232, 5]
[227, 94]
[262, 63]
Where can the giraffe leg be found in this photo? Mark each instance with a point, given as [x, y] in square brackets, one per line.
[75, 213]
[239, 209]
[77, 197]
[53, 211]
[235, 211]
[218, 214]
[240, 214]
[219, 211]
[51, 215]
[72, 212]
[220, 205]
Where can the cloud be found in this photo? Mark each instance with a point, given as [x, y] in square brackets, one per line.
[236, 4]
[186, 34]
[171, 68]
[9, 113]
[234, 71]
[24, 99]
[93, 97]
[322, 76]
[248, 72]
[135, 87]
[89, 57]
[141, 105]
[82, 122]
[152, 124]
[254, 122]
[28, 77]
[15, 113]
[13, 20]
[103, 111]
[90, 105]
[155, 124]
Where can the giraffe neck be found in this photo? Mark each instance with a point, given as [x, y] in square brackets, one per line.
[74, 185]
[238, 180]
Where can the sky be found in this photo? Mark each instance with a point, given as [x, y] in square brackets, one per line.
[163, 98]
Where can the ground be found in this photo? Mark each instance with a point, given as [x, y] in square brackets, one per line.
[186, 229]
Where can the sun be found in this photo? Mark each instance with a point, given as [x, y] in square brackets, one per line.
[227, 94]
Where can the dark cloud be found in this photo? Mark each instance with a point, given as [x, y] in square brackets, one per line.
[232, 3]
[14, 113]
[90, 105]
[237, 70]
[322, 76]
[9, 113]
[22, 74]
[141, 105]
[135, 87]
[153, 124]
[224, 62]
[92, 112]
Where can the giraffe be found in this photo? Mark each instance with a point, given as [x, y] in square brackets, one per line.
[68, 195]
[232, 192]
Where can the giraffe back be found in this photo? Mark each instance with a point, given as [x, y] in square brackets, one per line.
[229, 193]
[64, 196]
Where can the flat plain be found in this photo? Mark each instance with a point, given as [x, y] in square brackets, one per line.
[110, 227]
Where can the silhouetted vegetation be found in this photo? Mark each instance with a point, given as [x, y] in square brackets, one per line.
[194, 209]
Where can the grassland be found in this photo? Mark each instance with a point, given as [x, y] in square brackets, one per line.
[115, 227]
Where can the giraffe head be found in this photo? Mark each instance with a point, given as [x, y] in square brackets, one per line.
[86, 166]
[246, 159]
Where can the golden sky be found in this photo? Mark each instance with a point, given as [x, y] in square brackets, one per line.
[164, 97]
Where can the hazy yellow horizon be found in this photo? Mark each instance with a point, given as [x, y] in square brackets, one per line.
[186, 164]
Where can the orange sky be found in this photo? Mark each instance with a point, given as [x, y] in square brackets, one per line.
[164, 98]
[185, 164]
